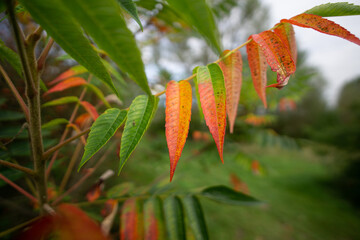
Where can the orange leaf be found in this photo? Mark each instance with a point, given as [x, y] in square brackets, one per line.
[322, 25]
[82, 120]
[178, 115]
[232, 70]
[258, 65]
[285, 32]
[69, 83]
[95, 192]
[212, 93]
[76, 70]
[90, 109]
[131, 220]
[277, 56]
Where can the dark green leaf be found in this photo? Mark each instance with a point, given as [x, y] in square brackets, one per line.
[55, 122]
[58, 23]
[61, 101]
[195, 217]
[174, 218]
[227, 195]
[7, 115]
[101, 131]
[11, 57]
[130, 7]
[335, 9]
[103, 21]
[141, 111]
[199, 16]
[114, 72]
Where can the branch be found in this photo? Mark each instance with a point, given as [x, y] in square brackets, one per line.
[16, 94]
[63, 143]
[18, 167]
[17, 227]
[41, 60]
[18, 188]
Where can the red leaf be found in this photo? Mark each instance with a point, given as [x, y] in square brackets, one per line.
[76, 70]
[82, 120]
[322, 25]
[285, 32]
[258, 65]
[153, 219]
[131, 220]
[232, 70]
[277, 56]
[238, 185]
[90, 109]
[69, 83]
[178, 115]
[212, 93]
[40, 229]
[95, 192]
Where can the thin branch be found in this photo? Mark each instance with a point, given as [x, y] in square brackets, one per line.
[17, 95]
[41, 60]
[18, 188]
[17, 167]
[17, 227]
[63, 143]
[25, 125]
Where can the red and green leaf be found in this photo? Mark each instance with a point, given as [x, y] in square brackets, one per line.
[178, 115]
[76, 70]
[277, 56]
[90, 109]
[258, 65]
[131, 220]
[285, 32]
[322, 25]
[66, 84]
[154, 219]
[232, 70]
[212, 93]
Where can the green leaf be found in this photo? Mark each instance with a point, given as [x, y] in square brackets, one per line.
[141, 111]
[335, 9]
[104, 23]
[227, 195]
[120, 190]
[11, 57]
[61, 101]
[199, 16]
[154, 225]
[197, 93]
[196, 218]
[114, 72]
[174, 218]
[59, 24]
[8, 115]
[130, 7]
[55, 122]
[101, 131]
[99, 94]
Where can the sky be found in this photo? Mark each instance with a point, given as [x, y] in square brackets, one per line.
[337, 58]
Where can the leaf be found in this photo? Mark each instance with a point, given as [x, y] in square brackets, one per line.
[95, 192]
[131, 225]
[277, 56]
[322, 25]
[227, 195]
[58, 23]
[154, 219]
[120, 190]
[195, 217]
[141, 111]
[8, 115]
[114, 72]
[99, 94]
[73, 71]
[197, 93]
[130, 7]
[335, 9]
[213, 98]
[174, 218]
[55, 122]
[232, 70]
[257, 65]
[11, 57]
[82, 119]
[90, 109]
[101, 131]
[104, 23]
[198, 15]
[285, 32]
[61, 101]
[178, 115]
[68, 83]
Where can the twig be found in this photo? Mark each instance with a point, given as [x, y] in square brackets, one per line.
[63, 143]
[18, 167]
[18, 188]
[17, 95]
[66, 131]
[86, 176]
[25, 125]
[41, 60]
[10, 230]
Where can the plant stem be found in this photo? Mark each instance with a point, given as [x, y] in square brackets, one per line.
[18, 167]
[18, 188]
[17, 95]
[41, 60]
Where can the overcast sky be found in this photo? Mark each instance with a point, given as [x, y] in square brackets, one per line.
[338, 59]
